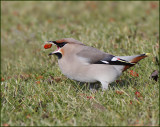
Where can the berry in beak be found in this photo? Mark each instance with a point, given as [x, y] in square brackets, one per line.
[49, 45]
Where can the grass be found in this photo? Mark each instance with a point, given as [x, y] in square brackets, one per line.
[35, 92]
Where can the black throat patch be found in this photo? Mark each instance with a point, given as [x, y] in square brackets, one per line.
[59, 55]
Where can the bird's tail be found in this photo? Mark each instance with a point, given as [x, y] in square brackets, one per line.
[133, 59]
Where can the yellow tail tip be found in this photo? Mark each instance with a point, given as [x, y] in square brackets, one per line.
[147, 54]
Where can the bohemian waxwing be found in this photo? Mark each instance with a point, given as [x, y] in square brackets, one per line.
[87, 64]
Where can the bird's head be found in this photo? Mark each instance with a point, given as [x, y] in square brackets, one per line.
[60, 45]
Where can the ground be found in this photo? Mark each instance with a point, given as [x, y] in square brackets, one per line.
[35, 92]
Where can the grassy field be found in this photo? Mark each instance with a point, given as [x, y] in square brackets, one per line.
[35, 92]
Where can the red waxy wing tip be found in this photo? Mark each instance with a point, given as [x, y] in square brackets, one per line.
[47, 46]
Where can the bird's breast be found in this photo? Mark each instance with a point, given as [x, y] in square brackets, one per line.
[76, 70]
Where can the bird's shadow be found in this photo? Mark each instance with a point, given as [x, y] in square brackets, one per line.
[97, 86]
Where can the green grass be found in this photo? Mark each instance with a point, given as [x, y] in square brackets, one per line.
[119, 28]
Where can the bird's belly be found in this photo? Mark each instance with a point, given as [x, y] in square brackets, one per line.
[81, 78]
[77, 72]
[78, 75]
[89, 73]
[105, 73]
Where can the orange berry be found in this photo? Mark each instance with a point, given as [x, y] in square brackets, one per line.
[47, 46]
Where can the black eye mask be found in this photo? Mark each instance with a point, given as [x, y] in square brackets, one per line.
[61, 44]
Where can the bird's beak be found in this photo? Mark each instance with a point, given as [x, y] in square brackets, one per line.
[53, 42]
[57, 50]
[53, 52]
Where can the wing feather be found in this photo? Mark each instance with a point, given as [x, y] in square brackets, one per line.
[94, 56]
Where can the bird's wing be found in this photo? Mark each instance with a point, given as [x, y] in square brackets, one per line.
[115, 61]
[94, 56]
[90, 55]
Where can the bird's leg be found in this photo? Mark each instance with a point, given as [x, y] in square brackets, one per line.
[94, 87]
[91, 86]
[104, 85]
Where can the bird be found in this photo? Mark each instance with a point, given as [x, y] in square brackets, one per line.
[83, 63]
